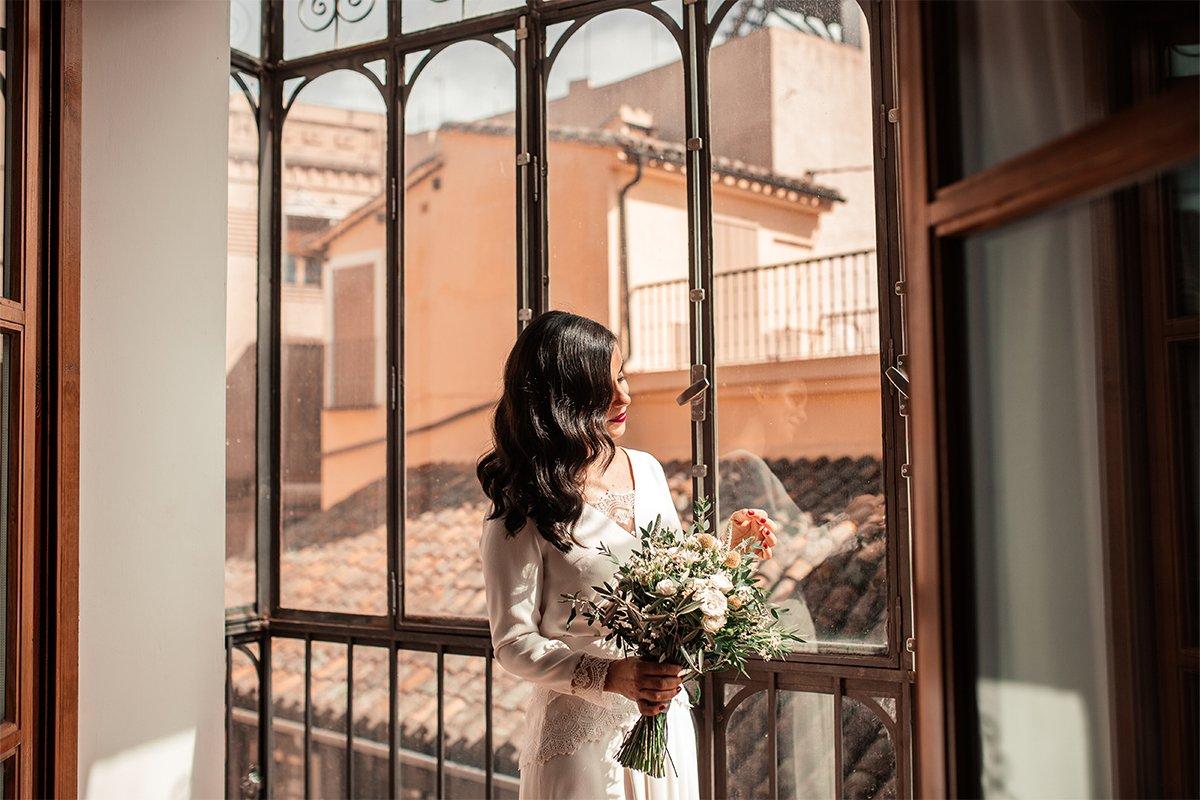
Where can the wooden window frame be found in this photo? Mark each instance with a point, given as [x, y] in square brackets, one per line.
[1149, 135]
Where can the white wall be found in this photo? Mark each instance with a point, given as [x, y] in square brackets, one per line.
[152, 419]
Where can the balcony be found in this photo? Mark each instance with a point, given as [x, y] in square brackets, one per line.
[814, 308]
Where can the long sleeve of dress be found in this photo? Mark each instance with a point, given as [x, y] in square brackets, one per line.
[513, 582]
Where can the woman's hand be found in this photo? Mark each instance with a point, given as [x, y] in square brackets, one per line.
[648, 683]
[753, 522]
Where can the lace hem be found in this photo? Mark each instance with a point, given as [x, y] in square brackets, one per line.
[557, 723]
[588, 679]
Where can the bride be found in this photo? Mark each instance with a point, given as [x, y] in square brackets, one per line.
[564, 495]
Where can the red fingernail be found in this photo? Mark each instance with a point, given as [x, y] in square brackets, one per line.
[751, 514]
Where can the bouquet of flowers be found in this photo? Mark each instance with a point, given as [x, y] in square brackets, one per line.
[684, 597]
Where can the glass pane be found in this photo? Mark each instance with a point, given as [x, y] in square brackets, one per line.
[747, 746]
[241, 361]
[465, 726]
[804, 745]
[245, 771]
[1186, 389]
[417, 15]
[416, 708]
[797, 311]
[1039, 602]
[245, 26]
[806, 737]
[314, 26]
[333, 359]
[618, 216]
[868, 754]
[510, 698]
[329, 694]
[1024, 77]
[371, 722]
[1183, 229]
[459, 274]
[287, 721]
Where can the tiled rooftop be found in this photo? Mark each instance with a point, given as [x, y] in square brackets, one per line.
[832, 551]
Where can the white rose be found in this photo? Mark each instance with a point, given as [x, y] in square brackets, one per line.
[713, 603]
[666, 587]
[713, 624]
[721, 582]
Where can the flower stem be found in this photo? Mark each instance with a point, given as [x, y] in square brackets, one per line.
[645, 746]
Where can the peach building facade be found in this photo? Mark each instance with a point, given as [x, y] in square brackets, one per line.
[793, 192]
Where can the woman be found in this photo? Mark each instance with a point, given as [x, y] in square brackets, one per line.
[561, 490]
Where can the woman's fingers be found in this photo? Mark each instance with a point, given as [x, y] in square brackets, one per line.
[659, 684]
[657, 697]
[653, 669]
[651, 709]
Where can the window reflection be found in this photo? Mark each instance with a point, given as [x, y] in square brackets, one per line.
[333, 349]
[799, 422]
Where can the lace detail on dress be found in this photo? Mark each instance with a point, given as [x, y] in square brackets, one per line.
[617, 505]
[588, 679]
[556, 723]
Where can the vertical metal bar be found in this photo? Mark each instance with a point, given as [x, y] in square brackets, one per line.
[308, 720]
[441, 721]
[266, 716]
[393, 733]
[488, 766]
[711, 755]
[699, 188]
[526, 175]
[349, 717]
[839, 688]
[396, 487]
[229, 784]
[539, 144]
[393, 279]
[773, 732]
[267, 338]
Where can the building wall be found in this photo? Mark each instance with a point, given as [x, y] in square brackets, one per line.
[825, 125]
[151, 665]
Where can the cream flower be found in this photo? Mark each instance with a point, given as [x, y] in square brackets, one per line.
[713, 602]
[713, 624]
[721, 582]
[666, 587]
[706, 541]
[733, 560]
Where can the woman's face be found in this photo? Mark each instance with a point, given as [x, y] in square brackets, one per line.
[621, 399]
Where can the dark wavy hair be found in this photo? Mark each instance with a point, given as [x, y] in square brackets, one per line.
[550, 423]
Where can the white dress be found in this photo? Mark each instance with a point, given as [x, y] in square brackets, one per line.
[573, 727]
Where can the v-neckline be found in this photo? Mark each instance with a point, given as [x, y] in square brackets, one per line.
[636, 498]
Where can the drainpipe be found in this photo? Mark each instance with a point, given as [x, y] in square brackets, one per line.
[623, 252]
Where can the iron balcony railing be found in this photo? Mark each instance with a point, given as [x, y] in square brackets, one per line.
[814, 308]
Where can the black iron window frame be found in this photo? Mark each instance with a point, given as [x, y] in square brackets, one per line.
[839, 673]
